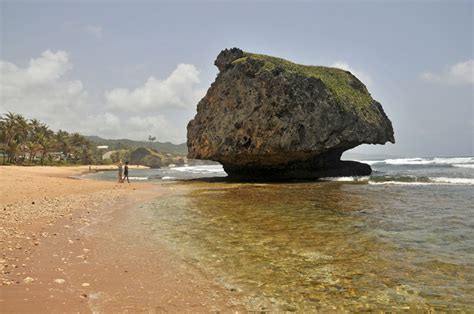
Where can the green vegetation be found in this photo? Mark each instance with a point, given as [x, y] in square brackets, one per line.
[28, 141]
[347, 91]
[154, 159]
[119, 155]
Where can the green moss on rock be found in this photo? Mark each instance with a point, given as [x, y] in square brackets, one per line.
[347, 90]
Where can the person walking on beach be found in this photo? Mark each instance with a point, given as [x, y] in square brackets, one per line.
[120, 168]
[125, 173]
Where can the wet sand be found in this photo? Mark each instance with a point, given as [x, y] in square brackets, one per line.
[65, 246]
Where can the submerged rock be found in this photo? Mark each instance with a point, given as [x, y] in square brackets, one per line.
[269, 118]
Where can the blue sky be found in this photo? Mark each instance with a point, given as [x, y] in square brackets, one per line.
[129, 69]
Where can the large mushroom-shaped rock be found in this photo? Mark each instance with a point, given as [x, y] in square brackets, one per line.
[268, 118]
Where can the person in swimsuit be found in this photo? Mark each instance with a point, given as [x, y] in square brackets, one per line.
[125, 173]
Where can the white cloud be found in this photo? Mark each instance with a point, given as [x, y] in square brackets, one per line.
[151, 125]
[362, 76]
[49, 67]
[136, 127]
[106, 124]
[461, 73]
[178, 90]
[94, 30]
[41, 90]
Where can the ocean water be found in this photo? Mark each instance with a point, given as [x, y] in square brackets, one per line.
[403, 171]
[401, 239]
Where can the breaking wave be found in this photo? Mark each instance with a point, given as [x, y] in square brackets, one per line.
[459, 181]
[201, 169]
[452, 161]
[168, 178]
[464, 166]
[403, 180]
[347, 179]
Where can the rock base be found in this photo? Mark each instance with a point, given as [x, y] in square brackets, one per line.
[300, 171]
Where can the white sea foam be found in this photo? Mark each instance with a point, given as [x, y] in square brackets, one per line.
[428, 161]
[463, 165]
[432, 181]
[460, 181]
[346, 179]
[168, 178]
[201, 169]
[398, 183]
[371, 162]
[406, 161]
[138, 178]
[454, 160]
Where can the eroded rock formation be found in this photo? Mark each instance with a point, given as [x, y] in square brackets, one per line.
[268, 118]
[154, 159]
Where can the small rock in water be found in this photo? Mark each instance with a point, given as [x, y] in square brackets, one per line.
[85, 284]
[28, 280]
[289, 308]
[59, 280]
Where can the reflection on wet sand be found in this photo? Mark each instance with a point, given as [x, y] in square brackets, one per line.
[305, 246]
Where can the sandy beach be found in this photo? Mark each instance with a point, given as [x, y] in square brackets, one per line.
[63, 249]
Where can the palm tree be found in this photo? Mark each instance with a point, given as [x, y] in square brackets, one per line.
[20, 138]
[21, 134]
[151, 139]
[75, 140]
[46, 142]
[62, 143]
[8, 133]
[31, 145]
[15, 130]
[32, 149]
[3, 133]
[35, 127]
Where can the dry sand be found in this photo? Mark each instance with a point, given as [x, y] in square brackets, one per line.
[63, 249]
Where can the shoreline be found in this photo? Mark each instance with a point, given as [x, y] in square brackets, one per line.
[99, 246]
[64, 246]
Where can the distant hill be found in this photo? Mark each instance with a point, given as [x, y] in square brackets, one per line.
[167, 147]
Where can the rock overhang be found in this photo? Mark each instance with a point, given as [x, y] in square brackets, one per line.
[265, 112]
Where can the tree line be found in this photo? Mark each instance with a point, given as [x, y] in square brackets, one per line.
[29, 141]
